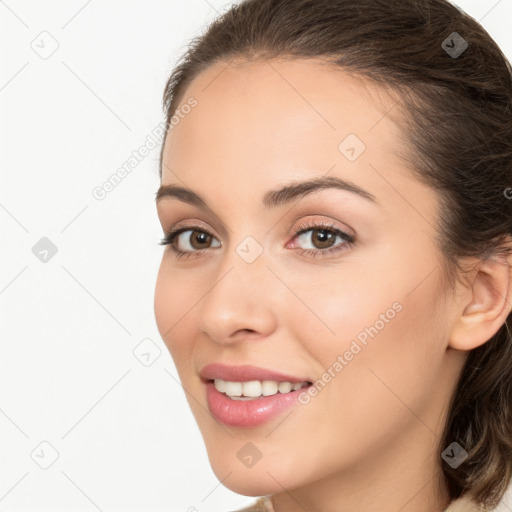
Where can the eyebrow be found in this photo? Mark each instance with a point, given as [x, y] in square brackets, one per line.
[272, 198]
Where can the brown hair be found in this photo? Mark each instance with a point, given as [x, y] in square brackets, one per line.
[459, 131]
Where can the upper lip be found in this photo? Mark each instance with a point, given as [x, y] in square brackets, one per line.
[244, 373]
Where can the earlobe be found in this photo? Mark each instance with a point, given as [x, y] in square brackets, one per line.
[488, 302]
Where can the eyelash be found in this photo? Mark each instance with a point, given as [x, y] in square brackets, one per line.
[171, 236]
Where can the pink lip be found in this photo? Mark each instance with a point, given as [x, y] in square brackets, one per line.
[245, 373]
[250, 413]
[246, 413]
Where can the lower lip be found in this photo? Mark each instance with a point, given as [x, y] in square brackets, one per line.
[248, 413]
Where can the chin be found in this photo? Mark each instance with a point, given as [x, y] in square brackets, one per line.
[259, 480]
[251, 485]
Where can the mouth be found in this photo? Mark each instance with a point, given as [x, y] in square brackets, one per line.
[255, 389]
[247, 395]
[229, 404]
[245, 373]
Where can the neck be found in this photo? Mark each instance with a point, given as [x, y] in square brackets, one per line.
[403, 476]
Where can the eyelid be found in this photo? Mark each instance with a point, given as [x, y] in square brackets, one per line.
[311, 222]
[192, 224]
[305, 226]
[319, 225]
[319, 222]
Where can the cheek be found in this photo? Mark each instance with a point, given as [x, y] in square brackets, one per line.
[373, 330]
[173, 303]
[387, 297]
[385, 388]
[337, 307]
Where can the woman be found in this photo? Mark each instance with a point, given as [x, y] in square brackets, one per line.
[336, 289]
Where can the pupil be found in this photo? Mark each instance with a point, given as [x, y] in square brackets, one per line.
[199, 238]
[324, 237]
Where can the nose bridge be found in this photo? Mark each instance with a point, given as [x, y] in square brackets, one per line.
[240, 295]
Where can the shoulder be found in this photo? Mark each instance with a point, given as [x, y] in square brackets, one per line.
[462, 504]
[466, 504]
[262, 504]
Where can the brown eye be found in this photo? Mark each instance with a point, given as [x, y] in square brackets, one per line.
[189, 240]
[198, 239]
[320, 238]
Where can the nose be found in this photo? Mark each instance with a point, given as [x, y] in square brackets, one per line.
[240, 303]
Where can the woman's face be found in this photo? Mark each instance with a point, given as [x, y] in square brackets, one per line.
[369, 318]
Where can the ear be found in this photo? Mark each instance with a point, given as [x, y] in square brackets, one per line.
[486, 305]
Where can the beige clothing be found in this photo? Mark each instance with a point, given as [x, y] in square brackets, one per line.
[463, 504]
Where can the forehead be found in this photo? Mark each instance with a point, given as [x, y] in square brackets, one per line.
[294, 97]
[257, 121]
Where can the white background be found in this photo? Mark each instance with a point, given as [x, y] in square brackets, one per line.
[124, 434]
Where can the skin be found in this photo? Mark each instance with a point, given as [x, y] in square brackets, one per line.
[368, 440]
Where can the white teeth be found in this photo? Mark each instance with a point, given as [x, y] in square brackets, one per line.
[269, 387]
[255, 388]
[233, 388]
[252, 388]
[220, 385]
[285, 387]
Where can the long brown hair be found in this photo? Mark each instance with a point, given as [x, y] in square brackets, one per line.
[458, 120]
